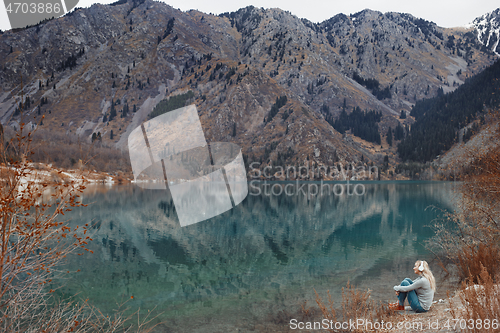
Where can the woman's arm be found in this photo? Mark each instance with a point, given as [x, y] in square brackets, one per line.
[418, 283]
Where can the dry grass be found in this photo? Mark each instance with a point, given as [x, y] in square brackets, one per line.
[356, 305]
[480, 310]
[473, 260]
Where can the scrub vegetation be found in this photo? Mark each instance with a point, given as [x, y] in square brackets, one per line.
[469, 239]
[356, 307]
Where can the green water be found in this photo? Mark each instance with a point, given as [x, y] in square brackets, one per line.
[264, 256]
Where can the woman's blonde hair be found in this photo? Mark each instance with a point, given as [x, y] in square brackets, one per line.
[427, 273]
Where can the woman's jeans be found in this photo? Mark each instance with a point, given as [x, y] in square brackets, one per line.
[412, 297]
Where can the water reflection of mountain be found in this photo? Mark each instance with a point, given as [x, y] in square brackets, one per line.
[268, 245]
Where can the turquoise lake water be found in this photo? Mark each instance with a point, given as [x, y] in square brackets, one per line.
[265, 256]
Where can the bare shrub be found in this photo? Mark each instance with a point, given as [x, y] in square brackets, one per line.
[356, 303]
[327, 309]
[307, 313]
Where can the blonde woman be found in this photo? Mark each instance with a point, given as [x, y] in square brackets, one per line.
[419, 292]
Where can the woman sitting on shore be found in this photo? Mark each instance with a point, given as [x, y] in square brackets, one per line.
[419, 292]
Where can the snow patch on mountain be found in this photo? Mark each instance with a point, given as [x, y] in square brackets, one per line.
[488, 30]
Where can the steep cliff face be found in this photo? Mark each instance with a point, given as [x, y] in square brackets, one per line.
[488, 30]
[80, 69]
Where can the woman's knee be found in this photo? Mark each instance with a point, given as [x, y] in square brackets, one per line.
[406, 282]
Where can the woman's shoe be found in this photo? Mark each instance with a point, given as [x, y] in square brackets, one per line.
[396, 306]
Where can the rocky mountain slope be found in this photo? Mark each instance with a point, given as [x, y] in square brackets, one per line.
[80, 70]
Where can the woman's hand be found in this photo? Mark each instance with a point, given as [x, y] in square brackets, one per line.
[397, 293]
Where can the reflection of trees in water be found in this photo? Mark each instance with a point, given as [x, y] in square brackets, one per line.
[266, 240]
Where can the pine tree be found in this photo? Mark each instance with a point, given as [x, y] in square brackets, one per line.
[389, 137]
[125, 110]
[1, 140]
[399, 132]
[112, 112]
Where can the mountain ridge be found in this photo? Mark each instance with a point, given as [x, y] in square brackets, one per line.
[237, 64]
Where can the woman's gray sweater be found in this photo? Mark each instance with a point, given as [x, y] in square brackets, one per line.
[423, 289]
